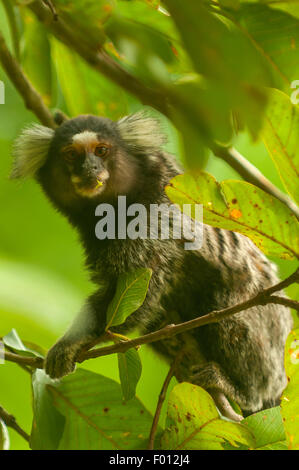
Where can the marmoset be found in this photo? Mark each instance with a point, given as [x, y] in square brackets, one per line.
[91, 160]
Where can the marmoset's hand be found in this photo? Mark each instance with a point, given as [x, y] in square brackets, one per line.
[60, 360]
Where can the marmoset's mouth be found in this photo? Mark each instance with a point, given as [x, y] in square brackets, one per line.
[92, 187]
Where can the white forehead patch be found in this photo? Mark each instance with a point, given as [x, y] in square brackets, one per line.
[85, 137]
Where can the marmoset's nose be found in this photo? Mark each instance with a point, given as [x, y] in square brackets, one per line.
[92, 164]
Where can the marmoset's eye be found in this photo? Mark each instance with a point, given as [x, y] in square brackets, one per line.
[101, 151]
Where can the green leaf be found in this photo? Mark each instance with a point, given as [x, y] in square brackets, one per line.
[4, 436]
[290, 6]
[48, 423]
[267, 428]
[149, 15]
[100, 97]
[290, 397]
[141, 48]
[240, 207]
[203, 113]
[12, 14]
[232, 4]
[218, 51]
[13, 340]
[96, 415]
[36, 57]
[130, 293]
[147, 38]
[87, 18]
[276, 36]
[281, 136]
[224, 54]
[130, 368]
[151, 31]
[194, 422]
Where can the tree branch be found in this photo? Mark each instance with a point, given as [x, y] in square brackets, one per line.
[262, 298]
[161, 400]
[285, 301]
[52, 8]
[11, 422]
[31, 97]
[98, 59]
[35, 362]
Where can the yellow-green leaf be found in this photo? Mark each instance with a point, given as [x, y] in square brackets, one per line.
[240, 207]
[13, 341]
[194, 422]
[281, 136]
[130, 294]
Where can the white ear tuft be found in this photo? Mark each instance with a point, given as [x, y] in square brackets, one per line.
[141, 132]
[31, 150]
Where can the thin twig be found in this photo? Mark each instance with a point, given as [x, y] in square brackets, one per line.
[23, 366]
[161, 400]
[31, 97]
[36, 362]
[262, 298]
[11, 422]
[275, 299]
[52, 8]
[98, 59]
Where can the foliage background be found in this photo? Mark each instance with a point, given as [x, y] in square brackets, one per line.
[42, 279]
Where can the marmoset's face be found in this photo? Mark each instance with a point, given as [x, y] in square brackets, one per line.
[87, 159]
[85, 149]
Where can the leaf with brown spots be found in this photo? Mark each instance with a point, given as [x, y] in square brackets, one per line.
[240, 207]
[193, 422]
[92, 414]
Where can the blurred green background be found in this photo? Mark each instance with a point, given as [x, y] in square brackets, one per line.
[42, 279]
